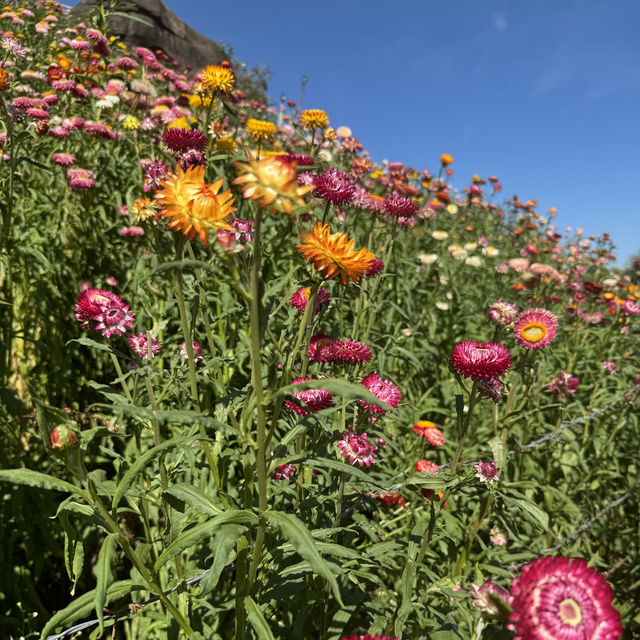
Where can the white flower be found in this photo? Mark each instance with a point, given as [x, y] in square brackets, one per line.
[443, 306]
[474, 261]
[490, 252]
[470, 246]
[439, 235]
[107, 102]
[428, 258]
[452, 208]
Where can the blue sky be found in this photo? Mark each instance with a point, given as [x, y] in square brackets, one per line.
[542, 94]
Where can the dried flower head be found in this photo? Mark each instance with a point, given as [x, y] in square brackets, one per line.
[357, 448]
[480, 360]
[535, 328]
[314, 119]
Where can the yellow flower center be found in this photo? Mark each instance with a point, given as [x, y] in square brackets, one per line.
[533, 331]
[569, 612]
[425, 424]
[306, 293]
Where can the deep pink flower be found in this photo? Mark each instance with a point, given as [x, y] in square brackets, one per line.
[132, 232]
[154, 174]
[610, 367]
[375, 268]
[480, 360]
[96, 36]
[535, 328]
[319, 342]
[127, 63]
[103, 311]
[560, 597]
[366, 636]
[64, 159]
[140, 344]
[486, 471]
[300, 298]
[630, 308]
[283, 472]
[492, 389]
[384, 390]
[184, 139]
[400, 209]
[427, 430]
[357, 448]
[564, 384]
[80, 179]
[334, 186]
[347, 352]
[309, 400]
[197, 351]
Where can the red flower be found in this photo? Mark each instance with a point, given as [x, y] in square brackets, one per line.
[480, 360]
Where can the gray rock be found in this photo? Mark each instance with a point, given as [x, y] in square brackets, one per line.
[169, 33]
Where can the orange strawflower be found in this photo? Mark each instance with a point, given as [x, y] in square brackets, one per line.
[314, 119]
[272, 182]
[333, 254]
[217, 78]
[193, 205]
[4, 80]
[446, 159]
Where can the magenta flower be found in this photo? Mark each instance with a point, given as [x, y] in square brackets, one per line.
[486, 471]
[564, 384]
[347, 352]
[384, 390]
[132, 232]
[610, 367]
[400, 209]
[197, 351]
[375, 268]
[183, 140]
[535, 328]
[309, 400]
[480, 360]
[283, 472]
[64, 159]
[140, 345]
[334, 186]
[502, 313]
[317, 347]
[154, 173]
[103, 311]
[80, 179]
[301, 296]
[491, 388]
[357, 448]
[560, 597]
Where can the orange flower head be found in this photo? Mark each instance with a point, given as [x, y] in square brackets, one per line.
[4, 80]
[333, 254]
[446, 159]
[217, 78]
[314, 119]
[272, 182]
[193, 205]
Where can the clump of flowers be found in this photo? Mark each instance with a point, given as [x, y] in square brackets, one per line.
[391, 497]
[428, 430]
[357, 448]
[300, 298]
[103, 311]
[564, 384]
[610, 367]
[535, 328]
[480, 360]
[561, 597]
[333, 255]
[384, 390]
[309, 400]
[140, 345]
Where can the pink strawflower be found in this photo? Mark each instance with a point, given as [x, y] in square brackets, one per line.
[391, 498]
[183, 140]
[610, 367]
[535, 328]
[80, 45]
[491, 388]
[300, 298]
[197, 351]
[375, 268]
[99, 129]
[309, 400]
[154, 174]
[560, 597]
[127, 63]
[140, 345]
[366, 636]
[592, 317]
[491, 599]
[480, 360]
[502, 313]
[351, 145]
[95, 35]
[518, 264]
[357, 448]
[427, 430]
[319, 342]
[64, 159]
[37, 113]
[630, 308]
[384, 390]
[564, 384]
[400, 209]
[486, 471]
[132, 232]
[334, 186]
[103, 311]
[347, 352]
[80, 179]
[283, 472]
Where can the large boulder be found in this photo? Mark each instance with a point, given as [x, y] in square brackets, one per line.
[166, 31]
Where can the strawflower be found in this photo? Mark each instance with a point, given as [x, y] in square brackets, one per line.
[104, 311]
[502, 313]
[384, 390]
[610, 367]
[561, 597]
[347, 352]
[486, 471]
[333, 255]
[309, 400]
[140, 345]
[492, 599]
[334, 186]
[314, 119]
[272, 182]
[64, 159]
[427, 430]
[357, 448]
[535, 328]
[300, 298]
[480, 360]
[217, 78]
[80, 179]
[564, 384]
[491, 389]
[193, 206]
[260, 129]
[183, 140]
[197, 351]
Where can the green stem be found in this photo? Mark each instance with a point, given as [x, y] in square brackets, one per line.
[465, 427]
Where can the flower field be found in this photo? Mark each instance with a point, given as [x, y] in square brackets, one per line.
[256, 385]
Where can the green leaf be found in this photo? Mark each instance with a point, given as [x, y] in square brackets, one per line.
[530, 511]
[94, 344]
[257, 620]
[142, 461]
[223, 544]
[194, 498]
[498, 451]
[103, 575]
[84, 605]
[31, 478]
[406, 594]
[327, 463]
[203, 530]
[298, 534]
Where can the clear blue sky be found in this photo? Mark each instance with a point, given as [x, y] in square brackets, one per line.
[545, 94]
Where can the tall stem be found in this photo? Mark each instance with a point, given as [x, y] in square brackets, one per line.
[465, 427]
